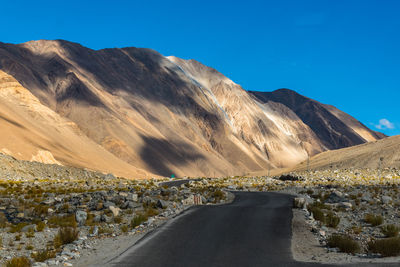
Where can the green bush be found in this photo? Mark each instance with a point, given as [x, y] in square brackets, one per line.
[18, 262]
[374, 220]
[344, 243]
[390, 230]
[386, 247]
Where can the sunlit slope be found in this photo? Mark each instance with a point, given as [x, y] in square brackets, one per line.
[384, 153]
[32, 131]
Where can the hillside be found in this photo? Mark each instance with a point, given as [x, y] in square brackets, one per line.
[136, 113]
[384, 153]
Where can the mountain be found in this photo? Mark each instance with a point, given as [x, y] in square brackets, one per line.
[136, 113]
[384, 153]
[333, 127]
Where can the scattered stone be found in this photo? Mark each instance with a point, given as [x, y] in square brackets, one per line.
[81, 217]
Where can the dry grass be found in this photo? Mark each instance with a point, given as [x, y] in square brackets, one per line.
[344, 243]
[65, 236]
[43, 255]
[62, 221]
[18, 262]
[390, 230]
[331, 220]
[386, 247]
[138, 220]
[374, 220]
[16, 228]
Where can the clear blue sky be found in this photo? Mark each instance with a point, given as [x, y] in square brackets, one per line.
[341, 52]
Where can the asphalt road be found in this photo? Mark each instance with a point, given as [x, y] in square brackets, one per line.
[254, 230]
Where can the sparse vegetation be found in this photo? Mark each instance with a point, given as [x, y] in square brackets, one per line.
[374, 220]
[318, 214]
[331, 220]
[124, 228]
[40, 226]
[344, 243]
[390, 230]
[16, 228]
[138, 219]
[386, 247]
[62, 221]
[18, 262]
[43, 255]
[65, 236]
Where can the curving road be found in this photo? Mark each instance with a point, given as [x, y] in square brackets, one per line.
[254, 230]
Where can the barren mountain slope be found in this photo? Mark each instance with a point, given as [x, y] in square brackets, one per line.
[163, 115]
[32, 131]
[362, 156]
[134, 102]
[265, 128]
[333, 127]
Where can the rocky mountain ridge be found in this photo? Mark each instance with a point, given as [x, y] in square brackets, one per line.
[135, 113]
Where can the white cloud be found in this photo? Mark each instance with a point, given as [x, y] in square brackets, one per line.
[385, 124]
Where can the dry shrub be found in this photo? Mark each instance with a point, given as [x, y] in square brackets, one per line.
[390, 230]
[65, 236]
[344, 243]
[374, 220]
[18, 262]
[386, 247]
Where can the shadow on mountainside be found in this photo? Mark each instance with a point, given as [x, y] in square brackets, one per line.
[160, 155]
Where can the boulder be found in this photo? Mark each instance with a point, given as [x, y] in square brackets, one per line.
[148, 200]
[346, 205]
[97, 218]
[386, 199]
[134, 197]
[105, 218]
[28, 228]
[336, 197]
[109, 176]
[115, 210]
[80, 217]
[162, 204]
[95, 231]
[108, 204]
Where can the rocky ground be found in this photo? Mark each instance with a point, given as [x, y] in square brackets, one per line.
[54, 215]
[350, 211]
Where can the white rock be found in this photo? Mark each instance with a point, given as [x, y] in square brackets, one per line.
[114, 210]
